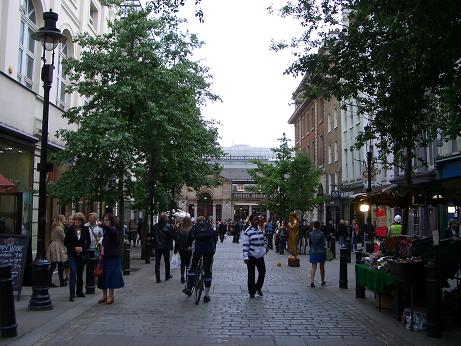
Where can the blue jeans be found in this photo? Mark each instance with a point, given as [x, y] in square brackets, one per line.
[76, 264]
[354, 241]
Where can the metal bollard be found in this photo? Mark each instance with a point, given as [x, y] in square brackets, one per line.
[359, 291]
[90, 285]
[126, 258]
[343, 267]
[8, 325]
[349, 250]
[434, 300]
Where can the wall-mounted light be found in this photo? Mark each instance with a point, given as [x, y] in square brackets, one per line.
[451, 209]
[364, 207]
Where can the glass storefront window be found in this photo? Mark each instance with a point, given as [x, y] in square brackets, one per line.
[16, 171]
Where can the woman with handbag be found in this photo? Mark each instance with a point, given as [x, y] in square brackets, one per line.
[111, 277]
[77, 241]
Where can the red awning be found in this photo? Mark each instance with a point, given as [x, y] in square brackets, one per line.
[6, 185]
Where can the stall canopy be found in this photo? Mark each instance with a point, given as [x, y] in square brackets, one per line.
[433, 193]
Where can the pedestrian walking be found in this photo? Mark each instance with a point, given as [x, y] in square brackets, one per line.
[254, 249]
[111, 278]
[132, 231]
[180, 245]
[283, 235]
[270, 228]
[342, 232]
[222, 229]
[355, 234]
[57, 252]
[140, 228]
[317, 252]
[163, 236]
[77, 241]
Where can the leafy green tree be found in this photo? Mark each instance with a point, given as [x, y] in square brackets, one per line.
[303, 183]
[398, 59]
[142, 118]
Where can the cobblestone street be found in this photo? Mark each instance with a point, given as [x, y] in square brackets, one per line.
[289, 313]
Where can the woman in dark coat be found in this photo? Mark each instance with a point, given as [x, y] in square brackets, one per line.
[77, 240]
[180, 245]
[110, 255]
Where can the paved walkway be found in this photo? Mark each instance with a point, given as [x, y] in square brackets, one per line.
[290, 313]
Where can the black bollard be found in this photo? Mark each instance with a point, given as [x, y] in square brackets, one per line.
[90, 285]
[359, 291]
[343, 267]
[126, 258]
[433, 299]
[349, 250]
[40, 299]
[8, 325]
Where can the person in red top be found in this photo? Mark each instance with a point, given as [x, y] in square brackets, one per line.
[355, 233]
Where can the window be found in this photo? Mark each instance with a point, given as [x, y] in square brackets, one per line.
[346, 165]
[26, 54]
[332, 182]
[93, 16]
[240, 187]
[312, 118]
[321, 110]
[329, 122]
[329, 154]
[351, 108]
[61, 78]
[335, 118]
[321, 150]
[336, 151]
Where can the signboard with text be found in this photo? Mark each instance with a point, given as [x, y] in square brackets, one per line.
[13, 250]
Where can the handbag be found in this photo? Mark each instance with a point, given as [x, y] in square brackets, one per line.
[99, 270]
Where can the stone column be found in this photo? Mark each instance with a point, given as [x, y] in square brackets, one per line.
[195, 211]
[250, 210]
[267, 215]
[214, 213]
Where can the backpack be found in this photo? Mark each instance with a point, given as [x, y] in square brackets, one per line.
[204, 233]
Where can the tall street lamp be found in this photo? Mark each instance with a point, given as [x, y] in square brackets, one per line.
[369, 173]
[50, 37]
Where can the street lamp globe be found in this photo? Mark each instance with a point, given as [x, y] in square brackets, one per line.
[364, 207]
[49, 35]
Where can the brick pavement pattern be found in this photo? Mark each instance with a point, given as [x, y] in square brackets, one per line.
[289, 313]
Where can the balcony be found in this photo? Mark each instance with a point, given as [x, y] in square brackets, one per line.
[247, 196]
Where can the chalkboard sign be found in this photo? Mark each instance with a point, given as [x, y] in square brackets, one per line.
[13, 250]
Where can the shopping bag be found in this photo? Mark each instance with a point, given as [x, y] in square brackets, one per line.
[329, 254]
[175, 262]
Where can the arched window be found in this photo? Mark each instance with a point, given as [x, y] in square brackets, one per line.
[26, 54]
[61, 77]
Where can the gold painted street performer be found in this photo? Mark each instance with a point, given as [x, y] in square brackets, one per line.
[293, 236]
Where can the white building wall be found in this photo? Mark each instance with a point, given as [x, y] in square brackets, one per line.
[22, 107]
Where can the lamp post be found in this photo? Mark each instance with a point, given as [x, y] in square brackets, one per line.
[50, 37]
[369, 172]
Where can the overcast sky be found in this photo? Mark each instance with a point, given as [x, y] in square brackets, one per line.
[248, 76]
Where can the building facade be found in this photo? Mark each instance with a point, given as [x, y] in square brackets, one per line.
[22, 100]
[232, 200]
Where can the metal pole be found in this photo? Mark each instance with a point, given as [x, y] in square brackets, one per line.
[40, 299]
[343, 254]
